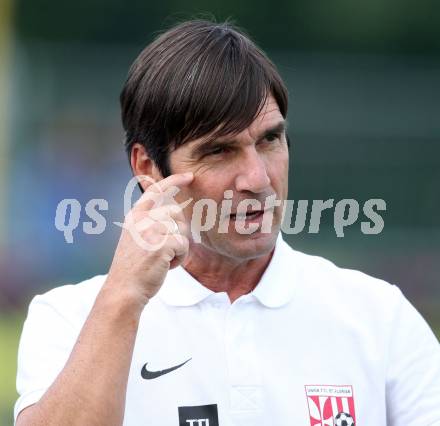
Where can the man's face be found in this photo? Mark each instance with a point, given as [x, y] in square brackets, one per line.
[253, 165]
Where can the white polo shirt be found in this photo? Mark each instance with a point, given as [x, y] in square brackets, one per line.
[311, 342]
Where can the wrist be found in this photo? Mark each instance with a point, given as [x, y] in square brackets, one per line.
[121, 297]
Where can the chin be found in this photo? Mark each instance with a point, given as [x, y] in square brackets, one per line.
[246, 247]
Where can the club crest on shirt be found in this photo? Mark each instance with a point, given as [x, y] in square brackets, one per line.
[331, 405]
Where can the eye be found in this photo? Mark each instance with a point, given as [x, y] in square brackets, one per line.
[272, 137]
[218, 150]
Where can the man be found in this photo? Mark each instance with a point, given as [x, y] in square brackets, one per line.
[237, 328]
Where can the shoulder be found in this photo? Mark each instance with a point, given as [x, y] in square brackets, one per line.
[321, 280]
[73, 302]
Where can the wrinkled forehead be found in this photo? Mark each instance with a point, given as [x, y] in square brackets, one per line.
[269, 116]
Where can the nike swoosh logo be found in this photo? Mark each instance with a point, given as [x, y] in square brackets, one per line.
[148, 375]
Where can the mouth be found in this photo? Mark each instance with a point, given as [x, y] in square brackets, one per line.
[250, 216]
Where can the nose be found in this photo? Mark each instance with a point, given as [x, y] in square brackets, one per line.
[252, 175]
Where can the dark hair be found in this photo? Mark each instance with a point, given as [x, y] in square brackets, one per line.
[197, 78]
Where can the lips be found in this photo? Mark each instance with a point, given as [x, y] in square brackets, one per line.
[255, 214]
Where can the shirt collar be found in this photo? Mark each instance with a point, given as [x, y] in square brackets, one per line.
[275, 288]
[182, 289]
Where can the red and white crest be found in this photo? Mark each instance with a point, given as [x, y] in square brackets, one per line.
[327, 401]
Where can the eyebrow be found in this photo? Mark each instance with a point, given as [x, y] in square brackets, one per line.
[208, 145]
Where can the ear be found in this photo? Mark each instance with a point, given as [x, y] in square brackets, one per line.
[142, 164]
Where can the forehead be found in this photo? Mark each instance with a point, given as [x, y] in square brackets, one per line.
[268, 116]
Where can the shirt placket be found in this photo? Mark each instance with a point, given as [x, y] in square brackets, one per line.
[244, 370]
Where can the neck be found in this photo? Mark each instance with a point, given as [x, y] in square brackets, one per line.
[222, 274]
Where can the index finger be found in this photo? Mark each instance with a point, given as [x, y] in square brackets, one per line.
[160, 187]
[178, 180]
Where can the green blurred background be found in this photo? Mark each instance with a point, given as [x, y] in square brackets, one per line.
[364, 88]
